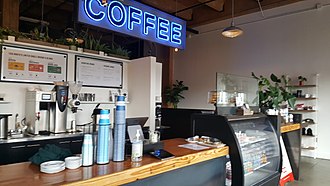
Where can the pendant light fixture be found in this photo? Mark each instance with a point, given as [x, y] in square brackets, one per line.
[232, 31]
[176, 11]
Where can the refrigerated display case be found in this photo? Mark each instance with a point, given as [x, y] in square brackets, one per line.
[255, 154]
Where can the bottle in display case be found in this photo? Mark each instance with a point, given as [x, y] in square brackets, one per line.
[255, 155]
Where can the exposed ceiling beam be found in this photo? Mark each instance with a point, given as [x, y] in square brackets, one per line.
[216, 5]
[186, 15]
[27, 8]
[54, 8]
[194, 6]
[202, 15]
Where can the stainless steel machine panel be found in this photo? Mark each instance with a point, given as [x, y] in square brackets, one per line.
[42, 113]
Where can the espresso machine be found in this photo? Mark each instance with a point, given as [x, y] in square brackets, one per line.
[46, 110]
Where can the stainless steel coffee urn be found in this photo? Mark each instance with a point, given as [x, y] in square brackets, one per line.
[45, 111]
[4, 125]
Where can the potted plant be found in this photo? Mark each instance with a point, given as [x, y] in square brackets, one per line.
[301, 80]
[62, 43]
[6, 32]
[38, 36]
[72, 38]
[273, 93]
[173, 94]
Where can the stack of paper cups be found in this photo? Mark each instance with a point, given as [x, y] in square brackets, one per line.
[120, 129]
[102, 156]
[87, 150]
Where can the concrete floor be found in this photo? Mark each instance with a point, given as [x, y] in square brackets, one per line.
[313, 172]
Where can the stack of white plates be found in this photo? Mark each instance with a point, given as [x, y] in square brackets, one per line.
[51, 167]
[73, 162]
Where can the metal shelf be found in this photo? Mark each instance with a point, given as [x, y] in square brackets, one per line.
[308, 136]
[97, 102]
[5, 102]
[308, 148]
[302, 110]
[301, 86]
[302, 98]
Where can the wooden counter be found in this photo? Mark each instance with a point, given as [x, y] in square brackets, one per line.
[114, 173]
[290, 127]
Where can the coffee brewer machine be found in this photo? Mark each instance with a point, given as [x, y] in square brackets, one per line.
[46, 110]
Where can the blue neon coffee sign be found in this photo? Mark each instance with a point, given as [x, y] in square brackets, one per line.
[134, 19]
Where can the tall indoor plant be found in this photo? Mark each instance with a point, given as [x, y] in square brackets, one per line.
[274, 93]
[173, 94]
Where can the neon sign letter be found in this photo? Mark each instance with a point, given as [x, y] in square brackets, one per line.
[163, 25]
[176, 33]
[133, 17]
[90, 13]
[117, 13]
[148, 18]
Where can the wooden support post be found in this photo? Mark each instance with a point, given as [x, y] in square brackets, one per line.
[10, 14]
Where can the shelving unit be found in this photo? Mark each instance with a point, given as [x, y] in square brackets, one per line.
[308, 142]
[302, 86]
[297, 111]
[306, 98]
[97, 102]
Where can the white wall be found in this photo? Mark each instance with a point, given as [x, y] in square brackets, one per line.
[143, 77]
[15, 92]
[293, 44]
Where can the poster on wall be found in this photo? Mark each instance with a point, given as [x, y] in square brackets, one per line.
[32, 65]
[98, 72]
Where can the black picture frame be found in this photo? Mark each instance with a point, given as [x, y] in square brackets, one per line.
[102, 83]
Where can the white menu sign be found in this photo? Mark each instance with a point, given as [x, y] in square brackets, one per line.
[32, 65]
[99, 73]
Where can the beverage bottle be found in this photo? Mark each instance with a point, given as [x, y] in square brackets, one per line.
[137, 148]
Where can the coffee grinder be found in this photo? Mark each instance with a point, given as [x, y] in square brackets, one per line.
[74, 103]
[46, 110]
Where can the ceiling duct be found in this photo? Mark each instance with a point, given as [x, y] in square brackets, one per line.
[32, 20]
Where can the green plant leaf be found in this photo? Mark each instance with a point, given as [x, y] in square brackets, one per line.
[274, 78]
[174, 94]
[292, 101]
[274, 93]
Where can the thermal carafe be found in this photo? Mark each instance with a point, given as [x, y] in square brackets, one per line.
[4, 125]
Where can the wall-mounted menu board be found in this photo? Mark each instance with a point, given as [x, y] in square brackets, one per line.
[32, 65]
[99, 72]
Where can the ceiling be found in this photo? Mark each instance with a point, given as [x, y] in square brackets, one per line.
[201, 12]
[60, 13]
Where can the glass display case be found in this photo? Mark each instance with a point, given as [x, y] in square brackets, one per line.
[259, 148]
[255, 155]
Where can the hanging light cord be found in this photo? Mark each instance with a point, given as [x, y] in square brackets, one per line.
[262, 12]
[42, 16]
[232, 12]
